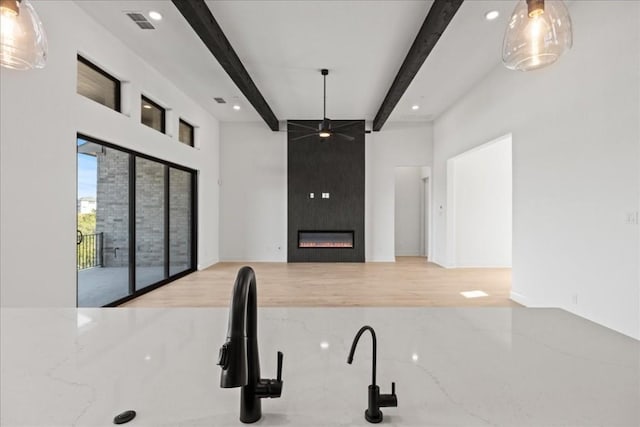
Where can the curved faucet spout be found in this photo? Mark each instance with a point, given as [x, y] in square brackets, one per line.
[243, 306]
[375, 345]
[241, 364]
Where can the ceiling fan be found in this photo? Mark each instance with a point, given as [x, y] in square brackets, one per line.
[325, 129]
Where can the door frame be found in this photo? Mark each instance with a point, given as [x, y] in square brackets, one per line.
[134, 293]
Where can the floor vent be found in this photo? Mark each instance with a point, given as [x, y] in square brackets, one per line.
[140, 20]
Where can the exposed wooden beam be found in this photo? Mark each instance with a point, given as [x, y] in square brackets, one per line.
[199, 16]
[439, 16]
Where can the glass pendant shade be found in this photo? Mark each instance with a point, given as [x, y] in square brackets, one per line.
[539, 31]
[23, 42]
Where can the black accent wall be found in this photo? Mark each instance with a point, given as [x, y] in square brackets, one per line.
[334, 166]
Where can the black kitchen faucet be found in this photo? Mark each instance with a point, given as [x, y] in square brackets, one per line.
[373, 414]
[239, 357]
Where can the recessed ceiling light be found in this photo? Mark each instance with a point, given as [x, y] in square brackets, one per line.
[415, 107]
[236, 107]
[324, 345]
[156, 16]
[414, 357]
[147, 106]
[474, 294]
[491, 15]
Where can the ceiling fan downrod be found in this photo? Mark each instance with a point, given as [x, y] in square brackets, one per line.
[324, 72]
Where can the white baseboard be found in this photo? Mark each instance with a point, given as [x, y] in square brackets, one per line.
[381, 260]
[482, 266]
[254, 259]
[206, 264]
[438, 263]
[521, 299]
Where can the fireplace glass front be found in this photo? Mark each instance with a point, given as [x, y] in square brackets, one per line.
[325, 239]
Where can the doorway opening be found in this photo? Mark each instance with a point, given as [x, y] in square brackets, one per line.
[479, 199]
[412, 229]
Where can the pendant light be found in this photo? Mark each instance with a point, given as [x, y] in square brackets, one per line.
[23, 42]
[538, 33]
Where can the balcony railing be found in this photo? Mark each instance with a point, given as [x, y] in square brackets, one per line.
[89, 250]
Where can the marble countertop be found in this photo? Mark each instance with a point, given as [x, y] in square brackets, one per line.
[452, 367]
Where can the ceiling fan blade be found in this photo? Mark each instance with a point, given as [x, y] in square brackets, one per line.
[344, 136]
[344, 125]
[302, 137]
[302, 126]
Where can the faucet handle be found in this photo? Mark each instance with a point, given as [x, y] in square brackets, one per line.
[269, 387]
[223, 356]
[280, 357]
[386, 400]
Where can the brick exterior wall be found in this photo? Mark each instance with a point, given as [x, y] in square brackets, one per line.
[112, 214]
[179, 220]
[149, 213]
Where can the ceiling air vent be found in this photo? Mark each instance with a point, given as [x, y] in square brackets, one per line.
[140, 20]
[220, 100]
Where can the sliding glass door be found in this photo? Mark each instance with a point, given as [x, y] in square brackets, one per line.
[150, 222]
[103, 224]
[180, 220]
[136, 222]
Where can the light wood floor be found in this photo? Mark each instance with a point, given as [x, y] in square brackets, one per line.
[409, 282]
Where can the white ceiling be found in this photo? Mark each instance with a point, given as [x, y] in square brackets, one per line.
[283, 45]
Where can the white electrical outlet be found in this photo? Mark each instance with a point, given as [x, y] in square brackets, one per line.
[632, 218]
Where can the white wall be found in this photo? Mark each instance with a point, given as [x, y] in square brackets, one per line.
[575, 133]
[409, 195]
[479, 200]
[398, 144]
[253, 196]
[41, 114]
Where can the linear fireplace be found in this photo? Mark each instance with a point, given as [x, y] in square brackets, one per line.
[325, 239]
[326, 229]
